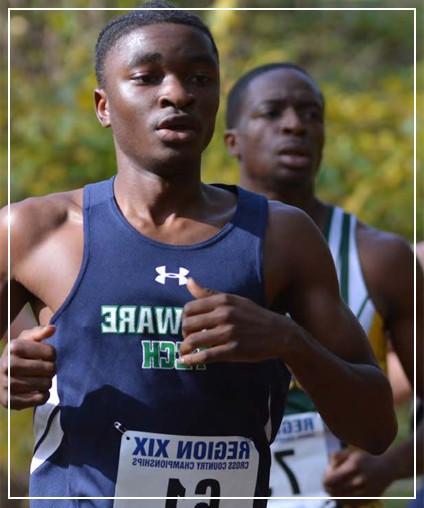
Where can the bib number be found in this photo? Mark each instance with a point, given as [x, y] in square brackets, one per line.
[299, 458]
[291, 476]
[197, 467]
[204, 487]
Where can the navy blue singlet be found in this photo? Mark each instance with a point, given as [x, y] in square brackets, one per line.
[125, 418]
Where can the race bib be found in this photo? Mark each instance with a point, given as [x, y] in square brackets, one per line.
[299, 459]
[165, 465]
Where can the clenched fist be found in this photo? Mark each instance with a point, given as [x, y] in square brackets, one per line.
[32, 367]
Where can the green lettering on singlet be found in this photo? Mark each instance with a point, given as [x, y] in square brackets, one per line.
[109, 318]
[145, 321]
[168, 320]
[168, 361]
[150, 354]
[178, 364]
[133, 319]
[127, 318]
[163, 354]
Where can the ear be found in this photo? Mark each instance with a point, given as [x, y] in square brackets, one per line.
[231, 142]
[102, 107]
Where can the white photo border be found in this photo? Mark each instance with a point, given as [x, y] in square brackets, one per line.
[17, 9]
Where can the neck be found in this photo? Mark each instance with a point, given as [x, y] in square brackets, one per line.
[159, 194]
[302, 197]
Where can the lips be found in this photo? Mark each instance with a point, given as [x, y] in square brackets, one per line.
[177, 128]
[178, 122]
[294, 156]
[294, 150]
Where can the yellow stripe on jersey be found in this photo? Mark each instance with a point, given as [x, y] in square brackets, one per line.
[378, 340]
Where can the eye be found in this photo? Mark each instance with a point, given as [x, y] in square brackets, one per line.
[201, 79]
[147, 78]
[270, 113]
[312, 113]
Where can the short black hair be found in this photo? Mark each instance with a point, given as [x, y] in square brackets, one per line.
[236, 96]
[122, 25]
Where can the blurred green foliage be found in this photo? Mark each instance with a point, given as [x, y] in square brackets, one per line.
[362, 59]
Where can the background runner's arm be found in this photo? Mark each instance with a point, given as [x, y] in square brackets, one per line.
[353, 472]
[400, 324]
[401, 388]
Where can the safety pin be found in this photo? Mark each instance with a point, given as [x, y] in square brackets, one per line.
[119, 427]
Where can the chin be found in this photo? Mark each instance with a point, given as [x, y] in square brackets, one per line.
[292, 176]
[173, 160]
[185, 149]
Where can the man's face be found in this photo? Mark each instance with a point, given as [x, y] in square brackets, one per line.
[280, 133]
[161, 94]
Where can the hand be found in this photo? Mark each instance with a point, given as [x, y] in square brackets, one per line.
[356, 473]
[32, 367]
[230, 328]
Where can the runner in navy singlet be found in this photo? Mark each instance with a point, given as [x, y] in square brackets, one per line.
[159, 386]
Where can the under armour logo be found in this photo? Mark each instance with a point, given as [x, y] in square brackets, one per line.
[163, 275]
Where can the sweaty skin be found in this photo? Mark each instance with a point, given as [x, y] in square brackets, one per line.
[153, 74]
[278, 141]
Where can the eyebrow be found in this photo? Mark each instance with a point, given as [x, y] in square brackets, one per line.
[203, 59]
[298, 100]
[144, 58]
[149, 58]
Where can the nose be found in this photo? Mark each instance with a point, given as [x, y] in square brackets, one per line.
[291, 122]
[175, 93]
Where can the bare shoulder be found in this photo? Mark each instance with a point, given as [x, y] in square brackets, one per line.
[288, 217]
[383, 251]
[387, 262]
[282, 211]
[34, 219]
[295, 251]
[290, 225]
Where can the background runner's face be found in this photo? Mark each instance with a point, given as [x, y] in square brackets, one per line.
[153, 74]
[280, 134]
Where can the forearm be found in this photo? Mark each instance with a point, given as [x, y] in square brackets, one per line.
[344, 393]
[400, 458]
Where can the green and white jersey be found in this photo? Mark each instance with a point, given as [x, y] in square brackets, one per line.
[303, 443]
[340, 234]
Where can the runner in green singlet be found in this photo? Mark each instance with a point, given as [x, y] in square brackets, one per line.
[275, 128]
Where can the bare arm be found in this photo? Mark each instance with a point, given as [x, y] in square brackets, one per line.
[32, 363]
[401, 388]
[400, 324]
[388, 264]
[322, 344]
[19, 295]
[329, 352]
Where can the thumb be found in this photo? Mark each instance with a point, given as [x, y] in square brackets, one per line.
[38, 333]
[198, 291]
